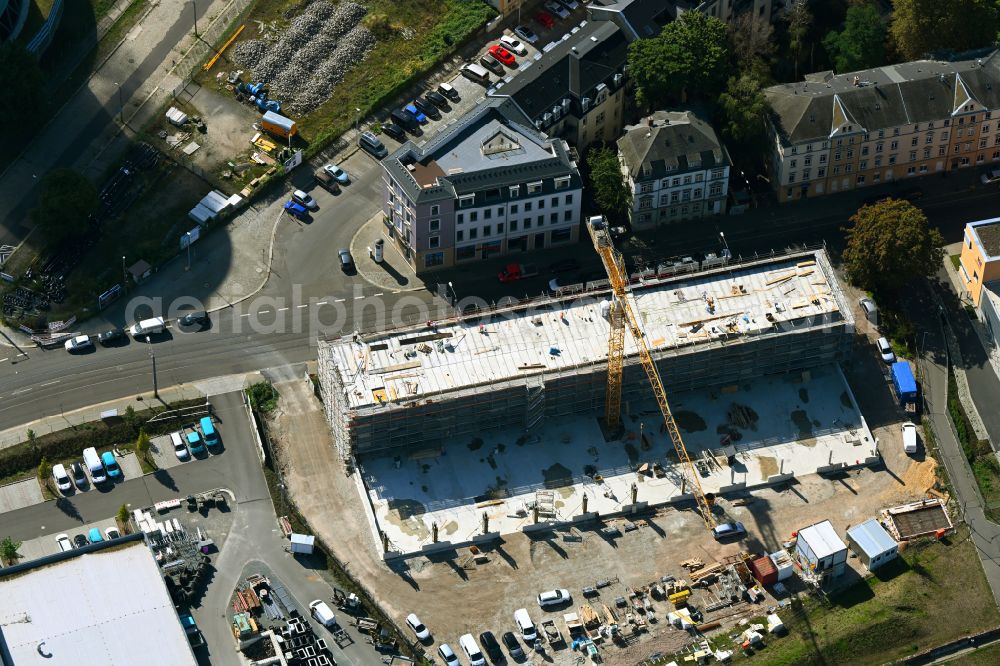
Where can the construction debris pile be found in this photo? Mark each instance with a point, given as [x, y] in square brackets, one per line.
[311, 56]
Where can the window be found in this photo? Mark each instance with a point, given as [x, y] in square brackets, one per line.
[645, 187]
[676, 182]
[850, 154]
[863, 165]
[527, 206]
[698, 177]
[465, 253]
[794, 163]
[540, 221]
[473, 234]
[894, 145]
[515, 191]
[892, 159]
[541, 204]
[982, 143]
[568, 216]
[805, 174]
[499, 227]
[460, 218]
[600, 118]
[881, 134]
[808, 160]
[459, 236]
[435, 225]
[821, 172]
[822, 159]
[513, 225]
[715, 189]
[675, 197]
[686, 195]
[913, 156]
[941, 151]
[791, 177]
[474, 216]
[535, 187]
[837, 155]
[527, 223]
[836, 171]
[513, 209]
[861, 179]
[911, 170]
[435, 210]
[466, 200]
[499, 211]
[687, 180]
[927, 153]
[554, 202]
[488, 230]
[488, 214]
[560, 235]
[864, 150]
[433, 259]
[913, 141]
[434, 242]
[879, 147]
[895, 131]
[553, 218]
[562, 182]
[568, 199]
[697, 192]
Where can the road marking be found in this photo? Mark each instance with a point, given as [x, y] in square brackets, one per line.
[378, 294]
[20, 391]
[245, 315]
[282, 309]
[358, 298]
[3, 359]
[303, 306]
[50, 383]
[340, 300]
[321, 303]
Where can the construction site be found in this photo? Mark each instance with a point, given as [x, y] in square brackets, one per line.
[471, 428]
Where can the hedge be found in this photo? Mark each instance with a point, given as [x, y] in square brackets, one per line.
[62, 444]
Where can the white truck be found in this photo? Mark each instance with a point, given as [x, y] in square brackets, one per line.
[148, 327]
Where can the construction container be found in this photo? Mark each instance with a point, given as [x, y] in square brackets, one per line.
[764, 571]
[783, 564]
[679, 599]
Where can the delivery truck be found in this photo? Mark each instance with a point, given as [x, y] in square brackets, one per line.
[905, 386]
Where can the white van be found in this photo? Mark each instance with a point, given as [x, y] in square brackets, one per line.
[148, 327]
[909, 438]
[94, 465]
[471, 650]
[525, 625]
[322, 613]
[476, 73]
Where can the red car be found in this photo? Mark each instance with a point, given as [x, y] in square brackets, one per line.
[503, 55]
[544, 19]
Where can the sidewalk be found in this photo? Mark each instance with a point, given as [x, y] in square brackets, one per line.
[394, 272]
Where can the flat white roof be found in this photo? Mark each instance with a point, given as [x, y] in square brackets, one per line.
[104, 608]
[415, 363]
[822, 539]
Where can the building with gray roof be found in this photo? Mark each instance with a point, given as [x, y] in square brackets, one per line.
[488, 185]
[675, 167]
[872, 544]
[835, 132]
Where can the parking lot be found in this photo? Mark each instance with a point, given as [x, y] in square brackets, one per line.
[161, 448]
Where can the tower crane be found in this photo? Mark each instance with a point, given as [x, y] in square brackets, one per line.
[621, 315]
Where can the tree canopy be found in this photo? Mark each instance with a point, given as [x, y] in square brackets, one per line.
[889, 244]
[690, 57]
[606, 182]
[861, 44]
[22, 80]
[922, 26]
[799, 20]
[743, 107]
[65, 201]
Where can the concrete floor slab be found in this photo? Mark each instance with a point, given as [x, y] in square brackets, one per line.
[773, 425]
[131, 467]
[162, 451]
[19, 495]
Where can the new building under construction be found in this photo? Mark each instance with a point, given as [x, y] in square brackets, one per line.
[414, 388]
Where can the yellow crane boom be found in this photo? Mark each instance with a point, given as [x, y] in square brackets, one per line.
[620, 315]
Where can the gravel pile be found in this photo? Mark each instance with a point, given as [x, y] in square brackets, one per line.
[352, 50]
[300, 31]
[248, 54]
[292, 80]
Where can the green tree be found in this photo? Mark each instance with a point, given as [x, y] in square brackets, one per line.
[889, 245]
[8, 550]
[861, 44]
[142, 445]
[690, 56]
[799, 21]
[44, 471]
[65, 201]
[752, 41]
[122, 514]
[606, 182]
[130, 419]
[22, 79]
[31, 439]
[922, 26]
[743, 107]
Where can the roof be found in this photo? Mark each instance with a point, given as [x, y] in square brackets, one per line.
[904, 377]
[890, 96]
[871, 538]
[572, 69]
[491, 146]
[988, 234]
[102, 607]
[822, 539]
[669, 142]
[411, 364]
[639, 18]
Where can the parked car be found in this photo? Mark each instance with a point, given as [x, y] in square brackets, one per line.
[554, 598]
[297, 211]
[79, 476]
[304, 199]
[64, 543]
[78, 343]
[869, 309]
[61, 478]
[728, 531]
[492, 64]
[513, 646]
[180, 448]
[94, 535]
[448, 91]
[110, 464]
[196, 318]
[427, 108]
[195, 444]
[503, 55]
[554, 7]
[373, 145]
[514, 45]
[395, 131]
[909, 433]
[526, 33]
[112, 533]
[339, 174]
[346, 260]
[322, 613]
[406, 120]
[414, 623]
[545, 20]
[991, 176]
[111, 337]
[471, 650]
[491, 646]
[80, 541]
[448, 655]
[326, 181]
[416, 113]
[437, 99]
[885, 350]
[569, 4]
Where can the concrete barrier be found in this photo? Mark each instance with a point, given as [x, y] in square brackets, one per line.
[732, 488]
[628, 509]
[830, 469]
[486, 538]
[539, 528]
[586, 517]
[775, 479]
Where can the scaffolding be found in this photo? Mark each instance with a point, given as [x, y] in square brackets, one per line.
[383, 391]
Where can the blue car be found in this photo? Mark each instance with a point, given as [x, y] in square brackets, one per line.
[296, 210]
[110, 464]
[417, 113]
[194, 443]
[94, 535]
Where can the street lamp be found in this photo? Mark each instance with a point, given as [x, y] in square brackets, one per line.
[454, 296]
[124, 273]
[121, 104]
[725, 244]
[357, 118]
[188, 235]
[194, 12]
[152, 356]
